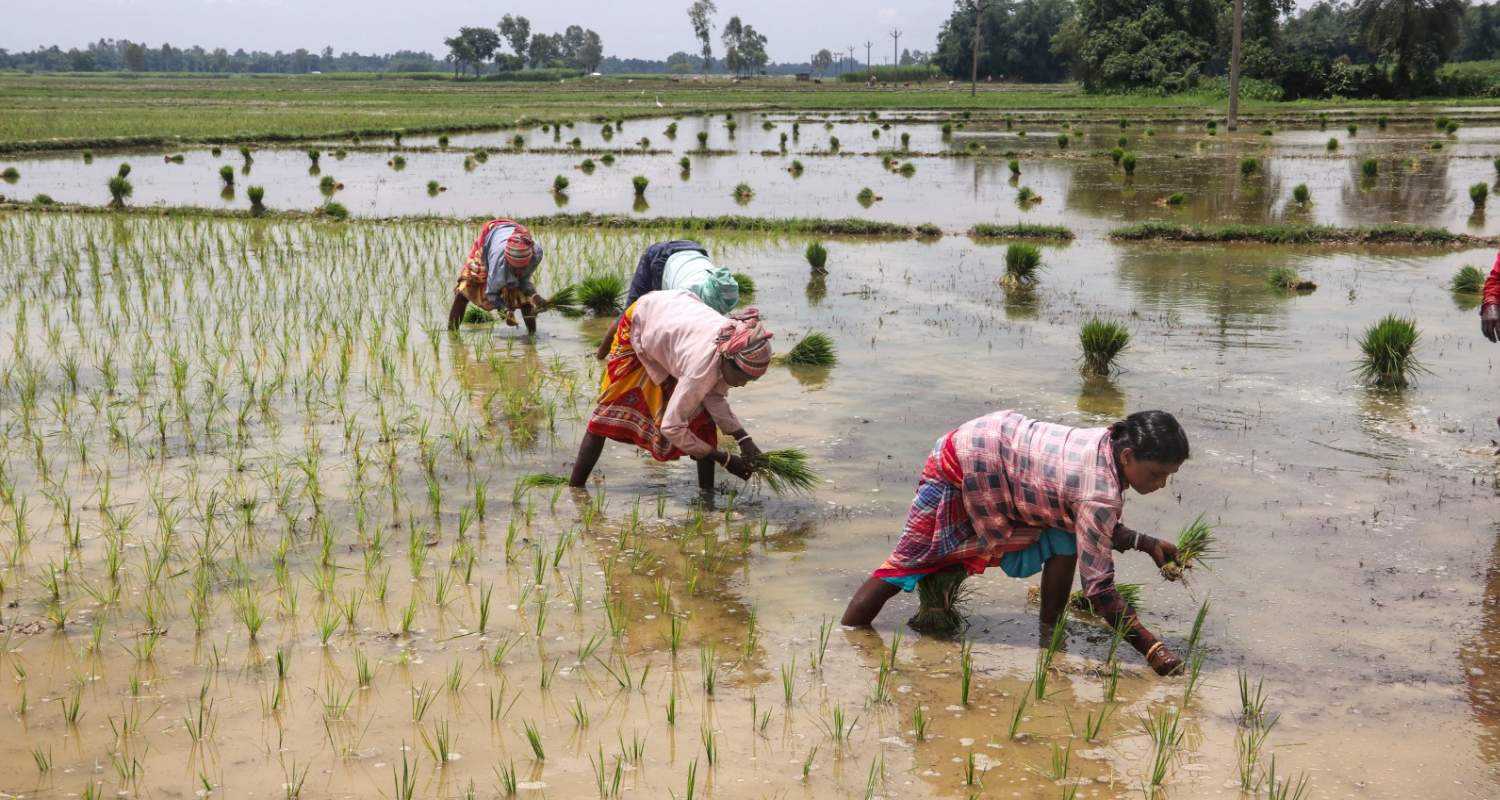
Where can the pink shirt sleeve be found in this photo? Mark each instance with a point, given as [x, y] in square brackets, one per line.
[1096, 563]
[699, 392]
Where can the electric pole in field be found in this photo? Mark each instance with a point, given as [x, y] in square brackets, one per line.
[852, 63]
[868, 44]
[1234, 66]
[895, 38]
[974, 69]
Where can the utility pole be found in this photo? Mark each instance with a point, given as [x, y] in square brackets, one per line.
[852, 62]
[1234, 66]
[974, 70]
[895, 38]
[868, 44]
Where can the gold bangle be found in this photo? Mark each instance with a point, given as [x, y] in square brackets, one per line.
[1151, 651]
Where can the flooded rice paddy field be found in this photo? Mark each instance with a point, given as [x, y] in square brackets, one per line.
[262, 534]
[955, 180]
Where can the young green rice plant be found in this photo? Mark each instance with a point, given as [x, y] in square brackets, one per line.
[1018, 713]
[334, 211]
[692, 776]
[940, 599]
[743, 193]
[816, 349]
[866, 196]
[1196, 544]
[1369, 168]
[824, 631]
[1102, 342]
[1249, 166]
[785, 471]
[840, 726]
[43, 759]
[1197, 630]
[640, 182]
[1022, 263]
[1388, 357]
[1479, 193]
[119, 190]
[534, 739]
[560, 184]
[965, 672]
[1194, 676]
[405, 778]
[601, 293]
[1093, 724]
[1286, 789]
[1249, 742]
[1468, 280]
[789, 680]
[710, 744]
[1045, 656]
[708, 668]
[1166, 734]
[817, 257]
[1127, 163]
[1060, 762]
[746, 286]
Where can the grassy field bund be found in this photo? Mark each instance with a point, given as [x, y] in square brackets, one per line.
[123, 109]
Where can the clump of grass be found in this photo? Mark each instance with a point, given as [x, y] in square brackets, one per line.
[1480, 194]
[785, 471]
[817, 257]
[334, 211]
[560, 184]
[1249, 166]
[743, 192]
[1176, 199]
[1026, 197]
[397, 163]
[226, 174]
[1369, 167]
[1015, 168]
[601, 293]
[10, 174]
[746, 286]
[474, 315]
[1333, 144]
[1102, 342]
[119, 190]
[1286, 279]
[866, 196]
[940, 600]
[1388, 355]
[1301, 194]
[123, 170]
[257, 195]
[814, 350]
[587, 166]
[1127, 163]
[796, 168]
[534, 480]
[1468, 280]
[640, 182]
[1022, 262]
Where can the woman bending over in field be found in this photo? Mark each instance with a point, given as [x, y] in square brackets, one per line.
[1029, 496]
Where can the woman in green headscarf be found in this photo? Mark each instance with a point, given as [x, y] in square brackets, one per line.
[678, 264]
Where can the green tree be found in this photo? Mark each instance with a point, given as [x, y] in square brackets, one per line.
[700, 15]
[1129, 44]
[1015, 40]
[516, 30]
[472, 47]
[1417, 35]
[543, 49]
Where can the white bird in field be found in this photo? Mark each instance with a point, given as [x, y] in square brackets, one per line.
[658, 102]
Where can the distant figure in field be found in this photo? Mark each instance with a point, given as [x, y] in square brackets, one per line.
[678, 264]
[499, 271]
[1030, 496]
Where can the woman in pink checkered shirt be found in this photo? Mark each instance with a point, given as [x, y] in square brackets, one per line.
[1030, 496]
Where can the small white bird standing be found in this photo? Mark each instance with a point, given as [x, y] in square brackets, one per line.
[658, 102]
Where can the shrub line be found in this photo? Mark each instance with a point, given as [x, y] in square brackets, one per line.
[1297, 234]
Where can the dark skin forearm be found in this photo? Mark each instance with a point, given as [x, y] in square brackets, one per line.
[456, 313]
[609, 341]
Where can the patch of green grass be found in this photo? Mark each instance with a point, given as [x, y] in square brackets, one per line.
[1293, 234]
[1479, 193]
[1020, 230]
[817, 256]
[1022, 262]
[746, 286]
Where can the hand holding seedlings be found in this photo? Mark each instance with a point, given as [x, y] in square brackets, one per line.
[1195, 545]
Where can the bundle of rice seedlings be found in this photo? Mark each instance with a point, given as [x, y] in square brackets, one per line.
[1176, 199]
[397, 163]
[1022, 261]
[1468, 280]
[1333, 144]
[1286, 279]
[1195, 545]
[746, 286]
[587, 166]
[866, 196]
[1127, 163]
[796, 168]
[474, 315]
[1479, 193]
[1249, 166]
[1026, 196]
[226, 174]
[1102, 341]
[1301, 194]
[785, 471]
[1353, 129]
[1388, 355]
[814, 350]
[560, 184]
[1370, 167]
[601, 293]
[257, 195]
[817, 256]
[743, 193]
[1078, 603]
[1015, 167]
[535, 480]
[940, 599]
[566, 302]
[119, 189]
[686, 164]
[640, 182]
[334, 211]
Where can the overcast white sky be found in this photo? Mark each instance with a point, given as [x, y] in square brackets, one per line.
[636, 29]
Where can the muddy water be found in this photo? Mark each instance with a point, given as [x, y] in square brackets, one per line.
[1356, 579]
[1080, 187]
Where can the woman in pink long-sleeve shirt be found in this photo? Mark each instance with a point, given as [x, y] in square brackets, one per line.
[664, 390]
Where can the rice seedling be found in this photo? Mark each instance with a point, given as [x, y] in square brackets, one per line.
[1333, 144]
[1249, 166]
[940, 597]
[397, 163]
[405, 778]
[1166, 734]
[815, 349]
[1468, 280]
[866, 197]
[1249, 741]
[1197, 630]
[1127, 163]
[10, 175]
[746, 286]
[785, 471]
[608, 159]
[1479, 194]
[817, 257]
[1102, 341]
[640, 182]
[1022, 263]
[1369, 168]
[1196, 544]
[965, 672]
[123, 170]
[43, 760]
[119, 190]
[919, 723]
[1300, 194]
[796, 168]
[600, 294]
[1025, 197]
[1018, 713]
[434, 188]
[1194, 676]
[710, 744]
[334, 211]
[708, 669]
[833, 144]
[1277, 789]
[560, 184]
[1286, 279]
[743, 193]
[257, 196]
[1388, 352]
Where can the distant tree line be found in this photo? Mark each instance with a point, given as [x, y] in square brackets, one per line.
[116, 55]
[1364, 48]
[475, 49]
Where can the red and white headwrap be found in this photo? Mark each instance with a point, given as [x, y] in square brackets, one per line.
[519, 249]
[745, 342]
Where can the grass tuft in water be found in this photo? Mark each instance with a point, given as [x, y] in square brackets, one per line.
[815, 349]
[817, 257]
[1102, 342]
[1479, 193]
[1388, 355]
[1022, 263]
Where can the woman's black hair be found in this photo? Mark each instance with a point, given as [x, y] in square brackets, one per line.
[1152, 435]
